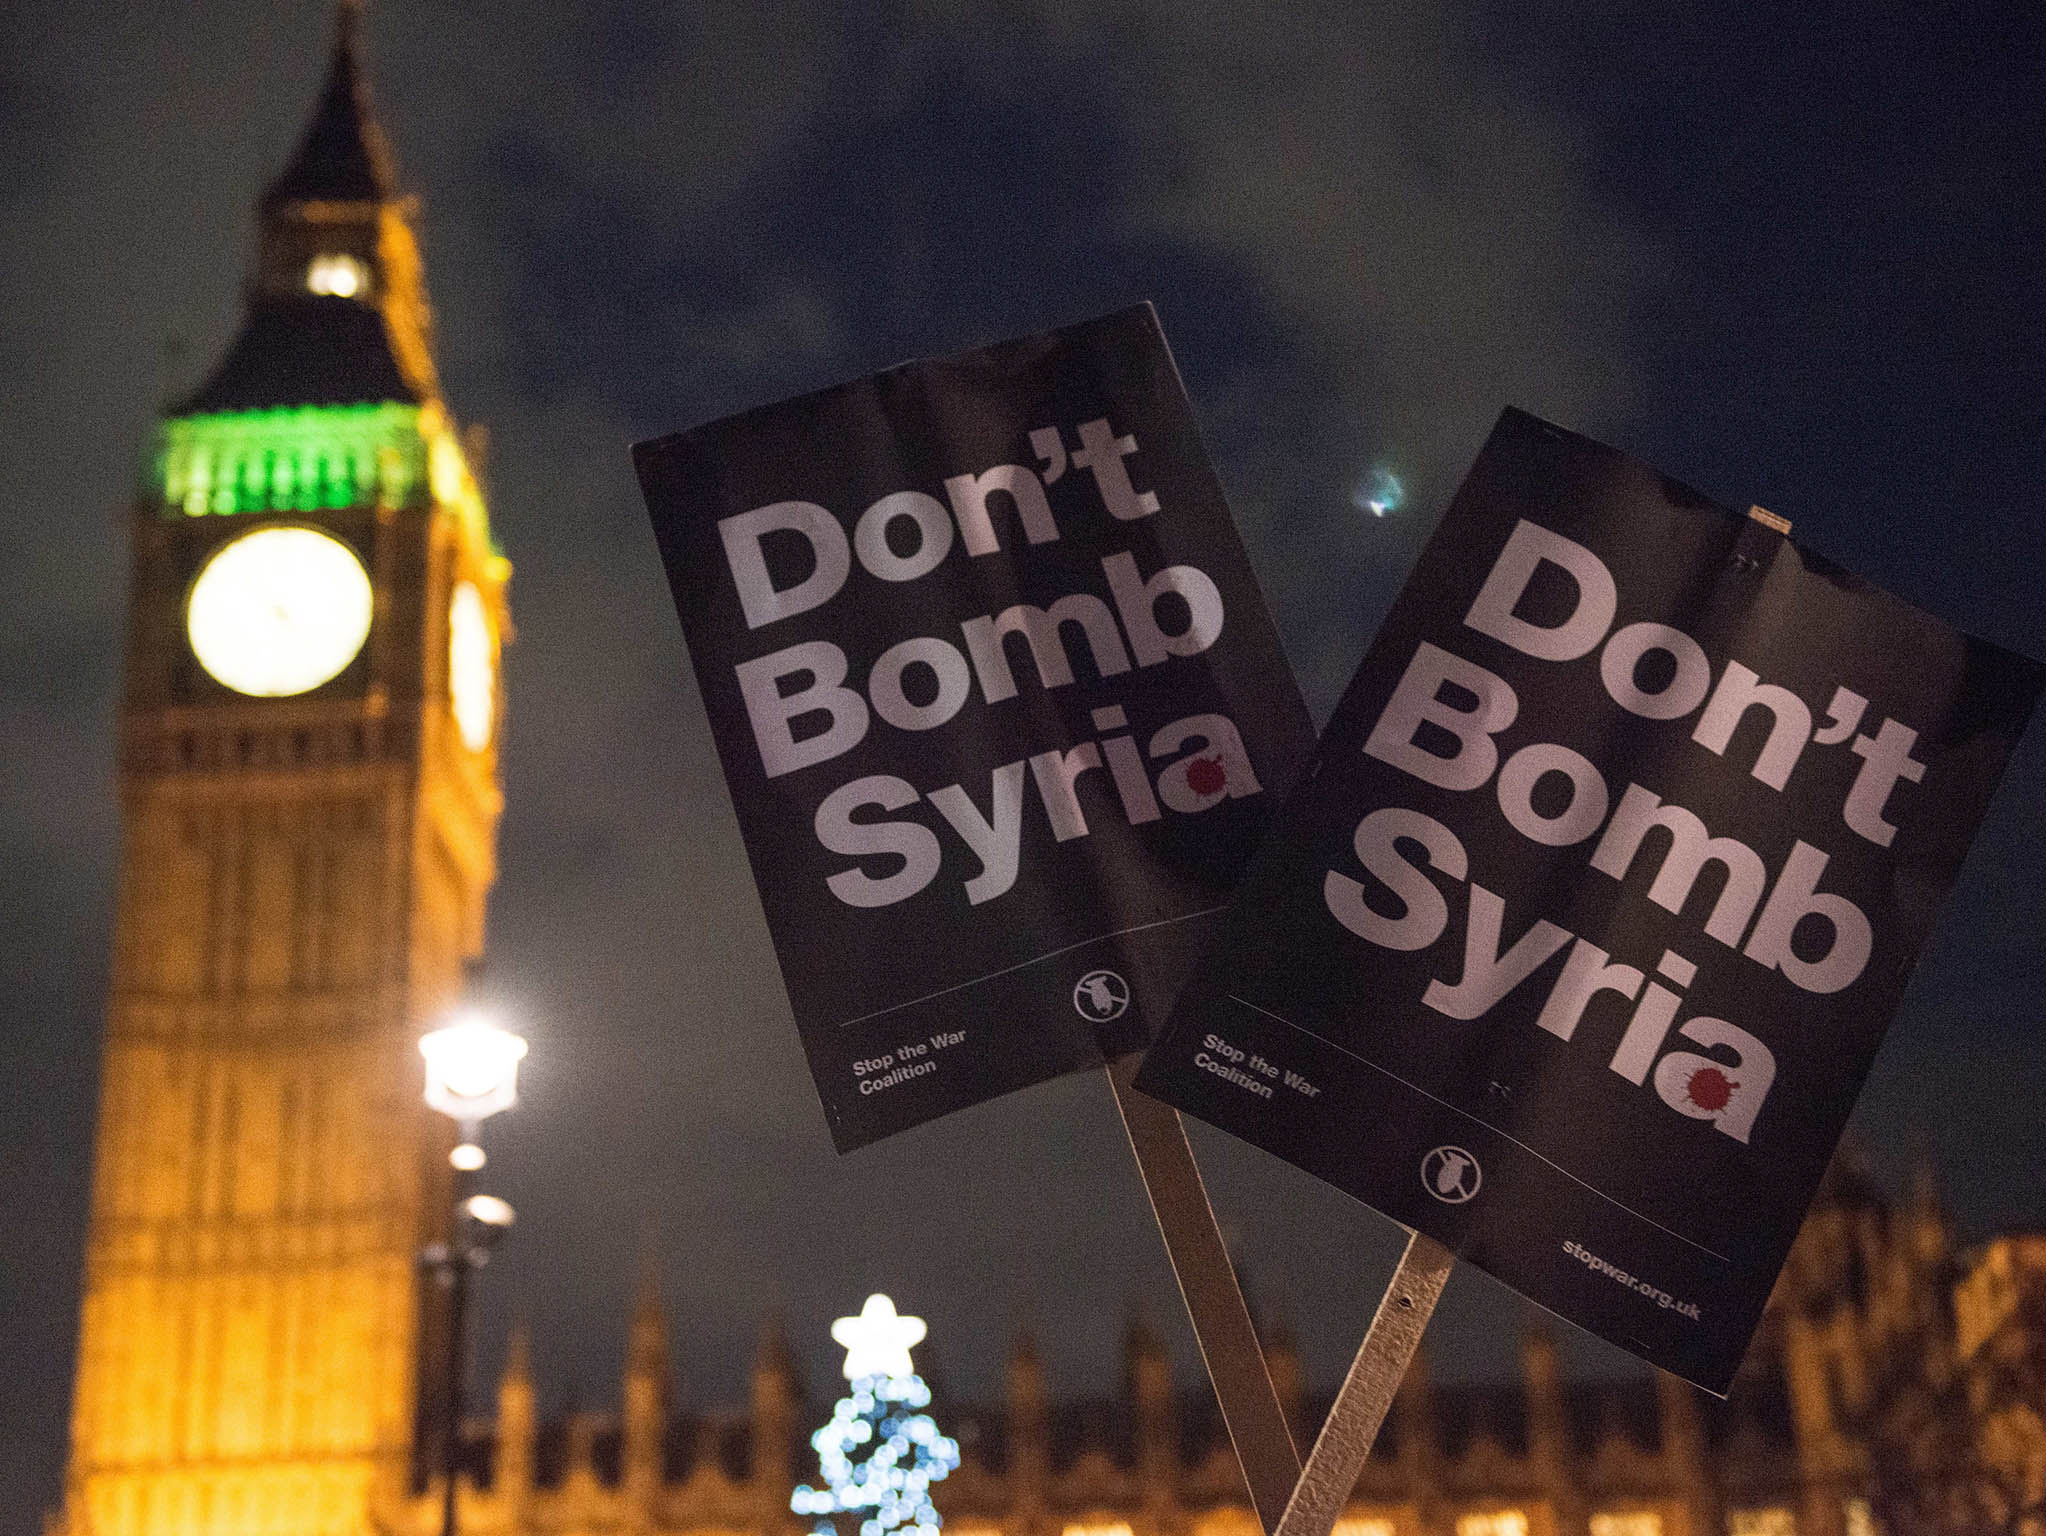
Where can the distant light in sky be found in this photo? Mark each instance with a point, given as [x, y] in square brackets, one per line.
[1378, 492]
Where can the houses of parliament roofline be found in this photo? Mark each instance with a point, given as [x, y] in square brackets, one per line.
[1787, 1454]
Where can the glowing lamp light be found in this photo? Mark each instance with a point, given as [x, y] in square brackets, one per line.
[472, 1068]
[877, 1341]
[489, 1210]
[468, 1157]
[337, 276]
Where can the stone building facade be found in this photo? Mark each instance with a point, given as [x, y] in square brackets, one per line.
[1789, 1453]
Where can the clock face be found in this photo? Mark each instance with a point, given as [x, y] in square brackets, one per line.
[279, 611]
[472, 667]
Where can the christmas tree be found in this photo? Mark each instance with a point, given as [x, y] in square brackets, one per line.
[880, 1453]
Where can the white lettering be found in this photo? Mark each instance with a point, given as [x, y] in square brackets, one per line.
[1424, 913]
[1103, 456]
[1488, 975]
[891, 703]
[1417, 701]
[758, 598]
[1577, 820]
[1586, 973]
[995, 839]
[1797, 895]
[969, 495]
[774, 713]
[1217, 770]
[1885, 760]
[1137, 601]
[1598, 598]
[1043, 630]
[933, 536]
[1705, 1089]
[1621, 659]
[915, 844]
[1055, 773]
[1790, 726]
[1690, 849]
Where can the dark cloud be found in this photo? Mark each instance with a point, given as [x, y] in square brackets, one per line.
[1360, 243]
[957, 177]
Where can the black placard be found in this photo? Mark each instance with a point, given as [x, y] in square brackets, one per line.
[997, 697]
[1578, 937]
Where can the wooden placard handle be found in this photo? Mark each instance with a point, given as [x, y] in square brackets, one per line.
[1360, 1407]
[1214, 1302]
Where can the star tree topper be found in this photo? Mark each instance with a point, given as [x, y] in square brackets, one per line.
[877, 1341]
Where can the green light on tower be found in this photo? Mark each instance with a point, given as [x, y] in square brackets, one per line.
[304, 458]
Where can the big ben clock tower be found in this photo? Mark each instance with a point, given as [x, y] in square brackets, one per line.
[310, 798]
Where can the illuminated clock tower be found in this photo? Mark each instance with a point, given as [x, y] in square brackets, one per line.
[310, 797]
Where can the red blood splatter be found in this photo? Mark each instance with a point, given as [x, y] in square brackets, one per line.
[1204, 776]
[1710, 1088]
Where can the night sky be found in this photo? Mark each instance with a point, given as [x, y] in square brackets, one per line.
[1795, 259]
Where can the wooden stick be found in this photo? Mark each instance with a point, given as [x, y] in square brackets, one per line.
[1345, 1441]
[1214, 1302]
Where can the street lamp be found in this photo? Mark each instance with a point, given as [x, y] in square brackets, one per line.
[472, 1068]
[472, 1071]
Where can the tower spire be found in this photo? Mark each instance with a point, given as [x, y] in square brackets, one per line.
[647, 1346]
[646, 1397]
[343, 157]
[337, 313]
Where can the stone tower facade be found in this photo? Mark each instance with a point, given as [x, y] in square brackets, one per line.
[309, 798]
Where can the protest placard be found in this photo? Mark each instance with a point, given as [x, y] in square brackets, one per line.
[1579, 935]
[999, 703]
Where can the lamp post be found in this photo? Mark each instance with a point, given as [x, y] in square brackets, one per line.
[472, 1069]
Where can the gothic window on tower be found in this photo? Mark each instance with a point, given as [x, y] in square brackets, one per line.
[1363, 1527]
[472, 666]
[337, 275]
[1494, 1522]
[1774, 1520]
[1629, 1522]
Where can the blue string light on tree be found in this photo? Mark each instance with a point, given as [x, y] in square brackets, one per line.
[880, 1453]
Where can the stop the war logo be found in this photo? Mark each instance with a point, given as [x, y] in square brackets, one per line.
[997, 698]
[1608, 873]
